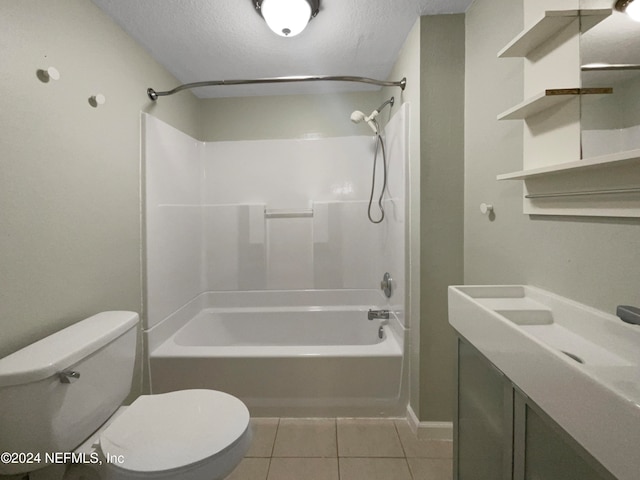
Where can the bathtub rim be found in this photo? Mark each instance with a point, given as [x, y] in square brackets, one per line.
[394, 346]
[159, 333]
[390, 346]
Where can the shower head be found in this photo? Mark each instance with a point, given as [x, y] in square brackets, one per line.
[358, 116]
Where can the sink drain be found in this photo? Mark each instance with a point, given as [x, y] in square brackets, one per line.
[572, 356]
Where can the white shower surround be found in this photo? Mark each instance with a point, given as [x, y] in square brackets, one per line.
[207, 237]
[205, 226]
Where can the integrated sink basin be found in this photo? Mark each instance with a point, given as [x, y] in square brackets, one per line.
[540, 324]
[580, 365]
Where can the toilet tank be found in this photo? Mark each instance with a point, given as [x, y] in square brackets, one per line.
[39, 411]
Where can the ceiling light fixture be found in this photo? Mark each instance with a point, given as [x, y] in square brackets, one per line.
[287, 18]
[630, 7]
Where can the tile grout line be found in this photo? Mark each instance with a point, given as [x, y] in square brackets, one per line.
[273, 446]
[275, 437]
[400, 439]
[268, 469]
[337, 448]
[404, 450]
[396, 429]
[410, 470]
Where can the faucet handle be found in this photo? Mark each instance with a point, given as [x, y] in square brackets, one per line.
[386, 285]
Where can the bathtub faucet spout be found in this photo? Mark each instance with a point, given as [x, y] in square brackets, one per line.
[383, 314]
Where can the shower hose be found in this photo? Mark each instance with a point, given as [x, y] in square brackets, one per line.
[379, 145]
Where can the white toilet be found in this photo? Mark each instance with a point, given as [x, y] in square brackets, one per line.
[63, 394]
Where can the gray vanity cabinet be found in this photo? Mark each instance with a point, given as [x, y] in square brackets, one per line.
[500, 434]
[482, 447]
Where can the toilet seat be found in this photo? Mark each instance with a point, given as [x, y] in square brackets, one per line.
[170, 431]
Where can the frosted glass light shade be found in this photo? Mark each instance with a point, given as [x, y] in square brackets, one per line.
[633, 10]
[287, 18]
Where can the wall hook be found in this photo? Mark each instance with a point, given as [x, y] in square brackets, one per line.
[49, 74]
[97, 100]
[486, 208]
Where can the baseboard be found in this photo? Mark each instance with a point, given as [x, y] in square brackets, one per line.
[429, 430]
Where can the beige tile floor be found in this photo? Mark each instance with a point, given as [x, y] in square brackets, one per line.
[342, 449]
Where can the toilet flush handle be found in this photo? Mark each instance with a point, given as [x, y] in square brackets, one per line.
[68, 376]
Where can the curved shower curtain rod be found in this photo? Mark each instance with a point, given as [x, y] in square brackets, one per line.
[153, 95]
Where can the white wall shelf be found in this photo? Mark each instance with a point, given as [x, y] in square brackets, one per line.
[551, 23]
[547, 99]
[614, 159]
[555, 182]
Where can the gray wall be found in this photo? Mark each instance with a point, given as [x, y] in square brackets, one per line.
[70, 235]
[442, 206]
[591, 260]
[285, 116]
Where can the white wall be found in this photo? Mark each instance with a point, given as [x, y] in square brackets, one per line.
[70, 233]
[206, 223]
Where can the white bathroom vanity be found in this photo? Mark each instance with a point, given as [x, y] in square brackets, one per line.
[547, 387]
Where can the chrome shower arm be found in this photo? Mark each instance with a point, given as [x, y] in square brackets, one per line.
[391, 101]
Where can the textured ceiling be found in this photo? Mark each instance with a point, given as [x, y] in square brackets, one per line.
[199, 40]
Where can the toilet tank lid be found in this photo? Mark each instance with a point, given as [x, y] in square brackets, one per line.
[64, 348]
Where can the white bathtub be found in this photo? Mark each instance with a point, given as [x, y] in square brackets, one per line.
[286, 353]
